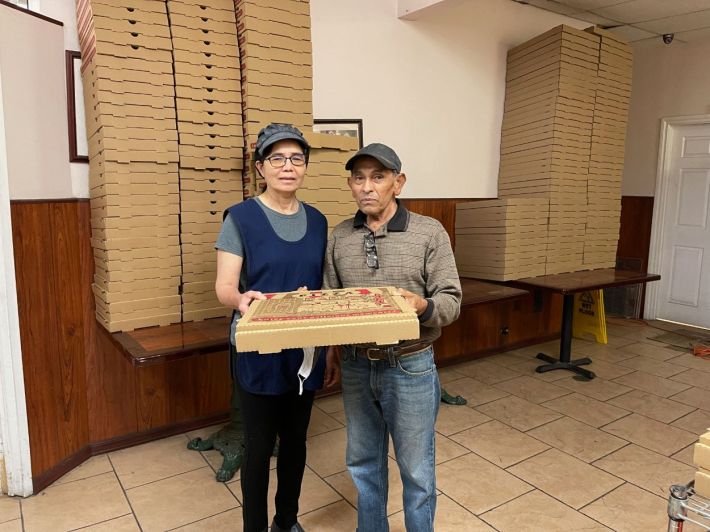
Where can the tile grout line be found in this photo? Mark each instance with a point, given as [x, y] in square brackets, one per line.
[536, 488]
[22, 516]
[469, 511]
[203, 519]
[66, 483]
[100, 522]
[205, 466]
[649, 419]
[125, 494]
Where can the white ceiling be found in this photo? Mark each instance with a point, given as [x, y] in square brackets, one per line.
[637, 20]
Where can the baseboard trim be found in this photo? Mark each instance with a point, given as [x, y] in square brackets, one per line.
[136, 438]
[46, 478]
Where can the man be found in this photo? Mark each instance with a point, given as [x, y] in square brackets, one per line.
[392, 390]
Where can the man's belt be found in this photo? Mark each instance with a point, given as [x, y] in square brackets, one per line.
[384, 353]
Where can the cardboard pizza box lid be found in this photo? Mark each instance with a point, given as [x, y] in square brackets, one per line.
[326, 317]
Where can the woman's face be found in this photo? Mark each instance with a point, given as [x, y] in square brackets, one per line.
[286, 178]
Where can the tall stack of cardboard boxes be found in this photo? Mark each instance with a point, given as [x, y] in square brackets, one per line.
[606, 163]
[130, 121]
[326, 184]
[502, 239]
[275, 48]
[209, 124]
[176, 93]
[559, 142]
[550, 94]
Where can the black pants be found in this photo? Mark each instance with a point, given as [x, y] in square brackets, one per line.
[265, 416]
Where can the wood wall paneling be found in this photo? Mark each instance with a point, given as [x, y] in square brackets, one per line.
[635, 229]
[66, 259]
[635, 232]
[47, 261]
[182, 389]
[443, 210]
[83, 393]
[110, 379]
[479, 330]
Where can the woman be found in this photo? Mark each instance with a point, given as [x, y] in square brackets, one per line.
[273, 243]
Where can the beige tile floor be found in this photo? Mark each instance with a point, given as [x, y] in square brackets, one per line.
[530, 452]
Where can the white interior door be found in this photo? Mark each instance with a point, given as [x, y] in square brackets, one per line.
[684, 293]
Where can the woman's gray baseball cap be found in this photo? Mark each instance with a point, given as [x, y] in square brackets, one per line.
[386, 155]
[274, 133]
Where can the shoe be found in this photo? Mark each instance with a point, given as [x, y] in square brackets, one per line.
[295, 528]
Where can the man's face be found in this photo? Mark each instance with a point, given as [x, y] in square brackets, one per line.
[374, 187]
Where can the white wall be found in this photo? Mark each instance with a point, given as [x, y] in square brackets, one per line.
[432, 88]
[34, 99]
[668, 80]
[65, 11]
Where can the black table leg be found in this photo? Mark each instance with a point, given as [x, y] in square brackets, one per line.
[565, 361]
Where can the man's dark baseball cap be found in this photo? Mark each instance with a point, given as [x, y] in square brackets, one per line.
[274, 133]
[382, 153]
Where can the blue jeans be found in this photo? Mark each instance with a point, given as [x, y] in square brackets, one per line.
[402, 401]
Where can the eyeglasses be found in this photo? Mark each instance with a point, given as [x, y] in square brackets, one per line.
[371, 251]
[279, 161]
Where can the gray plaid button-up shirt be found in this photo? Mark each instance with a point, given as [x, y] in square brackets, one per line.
[414, 252]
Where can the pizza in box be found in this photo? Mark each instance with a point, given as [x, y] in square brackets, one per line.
[307, 318]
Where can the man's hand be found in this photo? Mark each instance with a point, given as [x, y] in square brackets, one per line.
[246, 298]
[418, 303]
[332, 367]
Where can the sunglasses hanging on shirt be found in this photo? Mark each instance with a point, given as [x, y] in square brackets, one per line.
[371, 251]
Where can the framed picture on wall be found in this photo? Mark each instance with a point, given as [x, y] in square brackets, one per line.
[349, 127]
[78, 145]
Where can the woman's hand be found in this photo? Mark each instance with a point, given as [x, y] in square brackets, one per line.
[332, 367]
[246, 298]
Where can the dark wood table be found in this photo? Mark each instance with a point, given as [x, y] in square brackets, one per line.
[569, 284]
[154, 345]
[475, 292]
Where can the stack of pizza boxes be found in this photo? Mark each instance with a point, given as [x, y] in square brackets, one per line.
[562, 141]
[546, 138]
[606, 164]
[208, 103]
[176, 93]
[701, 458]
[130, 121]
[277, 79]
[501, 239]
[326, 184]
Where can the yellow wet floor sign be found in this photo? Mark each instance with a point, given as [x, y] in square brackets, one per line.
[589, 316]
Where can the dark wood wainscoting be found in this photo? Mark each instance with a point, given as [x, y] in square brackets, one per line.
[495, 326]
[83, 395]
[443, 210]
[46, 240]
[635, 233]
